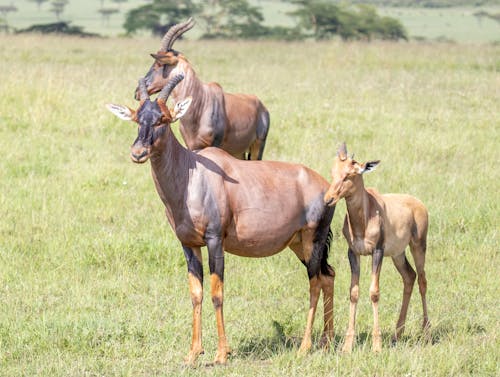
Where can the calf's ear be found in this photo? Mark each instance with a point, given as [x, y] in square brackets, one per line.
[368, 166]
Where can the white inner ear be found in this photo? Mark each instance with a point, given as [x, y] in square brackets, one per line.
[122, 112]
[360, 169]
[180, 108]
[368, 167]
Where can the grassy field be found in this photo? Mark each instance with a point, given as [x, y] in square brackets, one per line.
[457, 23]
[93, 282]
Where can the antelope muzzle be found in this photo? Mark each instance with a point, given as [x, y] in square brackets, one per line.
[139, 153]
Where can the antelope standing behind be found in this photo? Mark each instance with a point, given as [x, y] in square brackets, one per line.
[237, 123]
[251, 209]
[378, 225]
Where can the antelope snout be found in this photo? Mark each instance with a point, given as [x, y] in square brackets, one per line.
[139, 155]
[329, 199]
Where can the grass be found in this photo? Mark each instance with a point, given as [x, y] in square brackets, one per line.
[93, 282]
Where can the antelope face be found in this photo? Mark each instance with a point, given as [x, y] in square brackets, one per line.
[153, 118]
[159, 73]
[151, 123]
[166, 58]
[346, 176]
[343, 174]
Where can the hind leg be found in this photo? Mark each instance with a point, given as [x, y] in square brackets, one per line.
[257, 148]
[327, 286]
[418, 253]
[304, 252]
[408, 275]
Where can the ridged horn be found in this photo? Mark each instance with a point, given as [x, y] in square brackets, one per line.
[143, 90]
[342, 151]
[175, 32]
[170, 85]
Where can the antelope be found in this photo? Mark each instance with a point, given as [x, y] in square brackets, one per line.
[247, 208]
[237, 123]
[378, 225]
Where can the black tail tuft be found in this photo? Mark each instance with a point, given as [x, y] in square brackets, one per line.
[318, 264]
[326, 269]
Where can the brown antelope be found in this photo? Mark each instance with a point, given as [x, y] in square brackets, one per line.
[251, 209]
[237, 123]
[378, 225]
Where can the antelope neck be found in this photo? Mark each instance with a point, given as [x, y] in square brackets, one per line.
[357, 210]
[170, 164]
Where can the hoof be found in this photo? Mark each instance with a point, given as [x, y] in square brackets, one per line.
[221, 356]
[348, 342]
[324, 342]
[304, 349]
[192, 357]
[377, 345]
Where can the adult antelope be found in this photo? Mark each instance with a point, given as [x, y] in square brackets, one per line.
[378, 225]
[237, 123]
[252, 209]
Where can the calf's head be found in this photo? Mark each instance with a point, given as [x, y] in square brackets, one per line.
[346, 176]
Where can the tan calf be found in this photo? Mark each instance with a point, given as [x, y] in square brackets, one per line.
[378, 225]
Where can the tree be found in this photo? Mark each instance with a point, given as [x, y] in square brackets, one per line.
[326, 20]
[156, 15]
[58, 7]
[106, 14]
[118, 2]
[4, 10]
[232, 19]
[38, 2]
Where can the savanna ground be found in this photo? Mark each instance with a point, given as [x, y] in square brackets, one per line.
[93, 282]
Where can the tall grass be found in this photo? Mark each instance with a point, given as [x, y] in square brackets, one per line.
[93, 282]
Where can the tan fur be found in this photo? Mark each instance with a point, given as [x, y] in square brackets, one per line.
[383, 223]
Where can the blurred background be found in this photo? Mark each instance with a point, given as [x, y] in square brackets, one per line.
[475, 21]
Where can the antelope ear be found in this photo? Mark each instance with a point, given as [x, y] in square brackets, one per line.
[168, 58]
[368, 166]
[180, 108]
[122, 112]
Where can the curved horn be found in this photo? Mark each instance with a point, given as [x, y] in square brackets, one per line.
[143, 90]
[167, 89]
[342, 151]
[175, 32]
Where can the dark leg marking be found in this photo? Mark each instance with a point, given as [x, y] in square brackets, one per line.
[193, 264]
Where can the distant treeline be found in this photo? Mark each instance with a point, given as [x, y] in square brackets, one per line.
[240, 19]
[424, 3]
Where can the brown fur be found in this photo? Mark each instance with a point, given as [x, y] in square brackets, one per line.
[237, 123]
[212, 199]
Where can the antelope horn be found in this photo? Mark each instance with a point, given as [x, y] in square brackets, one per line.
[342, 151]
[167, 89]
[175, 32]
[143, 90]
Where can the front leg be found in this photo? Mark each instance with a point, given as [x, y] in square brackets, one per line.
[354, 296]
[377, 257]
[195, 276]
[216, 265]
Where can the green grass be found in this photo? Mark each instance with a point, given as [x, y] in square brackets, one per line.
[93, 282]
[456, 24]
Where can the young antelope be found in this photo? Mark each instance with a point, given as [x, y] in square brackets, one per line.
[378, 225]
